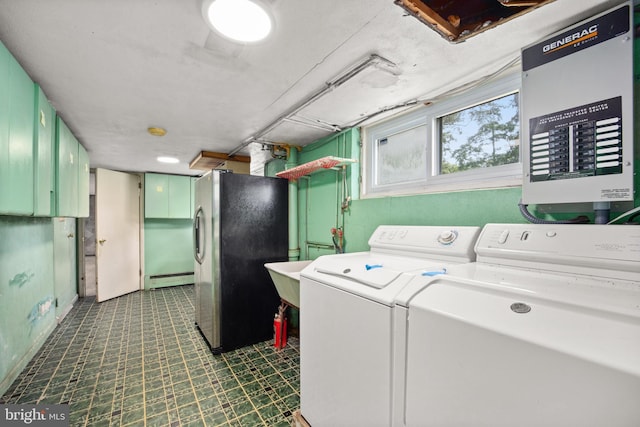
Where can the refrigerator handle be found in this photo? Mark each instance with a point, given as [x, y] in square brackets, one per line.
[198, 249]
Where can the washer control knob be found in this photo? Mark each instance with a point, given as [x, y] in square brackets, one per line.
[503, 237]
[447, 237]
[551, 234]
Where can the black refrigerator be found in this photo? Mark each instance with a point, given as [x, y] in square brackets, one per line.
[240, 223]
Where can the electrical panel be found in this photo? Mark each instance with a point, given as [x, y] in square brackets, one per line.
[577, 112]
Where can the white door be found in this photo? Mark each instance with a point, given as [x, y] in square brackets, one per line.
[117, 234]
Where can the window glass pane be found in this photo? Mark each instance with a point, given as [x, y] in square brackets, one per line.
[402, 157]
[481, 136]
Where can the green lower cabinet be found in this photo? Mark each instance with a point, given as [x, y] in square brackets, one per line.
[44, 173]
[65, 281]
[16, 137]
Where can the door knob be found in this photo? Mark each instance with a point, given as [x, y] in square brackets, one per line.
[101, 241]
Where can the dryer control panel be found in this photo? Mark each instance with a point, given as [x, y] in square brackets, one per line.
[553, 247]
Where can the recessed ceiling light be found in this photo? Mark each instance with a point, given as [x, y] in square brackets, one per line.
[165, 159]
[243, 21]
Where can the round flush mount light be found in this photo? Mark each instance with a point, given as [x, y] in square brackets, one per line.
[166, 159]
[157, 131]
[244, 21]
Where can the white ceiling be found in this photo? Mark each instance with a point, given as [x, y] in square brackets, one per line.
[113, 68]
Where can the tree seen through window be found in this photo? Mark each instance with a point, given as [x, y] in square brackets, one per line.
[485, 135]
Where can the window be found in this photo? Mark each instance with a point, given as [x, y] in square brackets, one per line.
[481, 136]
[400, 155]
[464, 142]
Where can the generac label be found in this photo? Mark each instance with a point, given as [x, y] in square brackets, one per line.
[578, 38]
[572, 40]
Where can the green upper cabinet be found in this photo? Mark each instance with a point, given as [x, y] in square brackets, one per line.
[83, 182]
[192, 208]
[72, 174]
[66, 171]
[156, 195]
[179, 196]
[167, 196]
[44, 139]
[5, 107]
[16, 137]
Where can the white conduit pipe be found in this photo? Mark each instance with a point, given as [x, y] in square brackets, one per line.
[373, 59]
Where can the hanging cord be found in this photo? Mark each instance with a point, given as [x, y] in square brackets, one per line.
[535, 220]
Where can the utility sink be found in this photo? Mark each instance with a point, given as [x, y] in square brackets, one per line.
[286, 277]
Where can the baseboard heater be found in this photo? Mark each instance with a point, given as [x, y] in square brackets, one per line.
[169, 279]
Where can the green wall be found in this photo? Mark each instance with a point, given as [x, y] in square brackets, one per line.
[320, 198]
[457, 208]
[27, 301]
[168, 249]
[32, 294]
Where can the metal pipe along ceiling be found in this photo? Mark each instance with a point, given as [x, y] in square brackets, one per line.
[372, 60]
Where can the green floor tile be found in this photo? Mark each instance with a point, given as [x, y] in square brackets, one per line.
[153, 363]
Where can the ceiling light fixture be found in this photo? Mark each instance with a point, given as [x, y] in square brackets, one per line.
[243, 21]
[165, 159]
[156, 131]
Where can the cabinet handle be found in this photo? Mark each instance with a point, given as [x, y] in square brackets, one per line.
[70, 235]
[101, 241]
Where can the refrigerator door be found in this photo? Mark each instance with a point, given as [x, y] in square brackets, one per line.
[204, 263]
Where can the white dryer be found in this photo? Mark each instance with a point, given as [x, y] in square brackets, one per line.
[543, 330]
[346, 322]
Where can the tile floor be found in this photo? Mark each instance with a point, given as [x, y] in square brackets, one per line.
[138, 360]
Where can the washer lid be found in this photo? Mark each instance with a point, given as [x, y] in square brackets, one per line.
[376, 279]
[374, 271]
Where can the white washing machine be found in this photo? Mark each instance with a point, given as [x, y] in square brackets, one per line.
[543, 330]
[346, 322]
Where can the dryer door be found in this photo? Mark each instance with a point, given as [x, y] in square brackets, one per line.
[480, 355]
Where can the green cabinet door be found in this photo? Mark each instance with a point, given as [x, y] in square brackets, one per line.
[167, 196]
[83, 182]
[66, 171]
[4, 128]
[179, 197]
[16, 191]
[65, 280]
[44, 173]
[192, 209]
[156, 195]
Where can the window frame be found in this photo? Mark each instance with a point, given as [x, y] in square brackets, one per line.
[509, 175]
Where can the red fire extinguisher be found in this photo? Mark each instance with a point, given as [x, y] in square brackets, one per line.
[280, 330]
